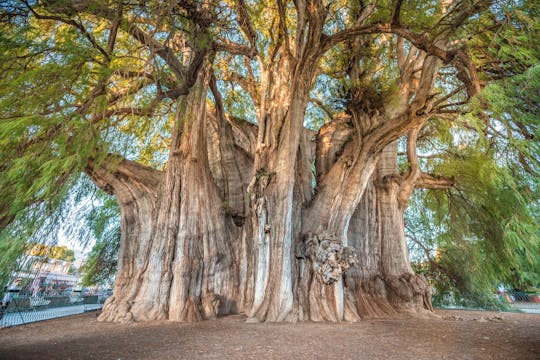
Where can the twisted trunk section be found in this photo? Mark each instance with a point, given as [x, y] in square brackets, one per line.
[406, 291]
[178, 259]
[358, 210]
[272, 197]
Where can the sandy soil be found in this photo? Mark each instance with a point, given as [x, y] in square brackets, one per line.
[457, 335]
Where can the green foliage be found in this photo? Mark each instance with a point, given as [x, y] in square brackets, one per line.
[35, 225]
[485, 230]
[101, 265]
[481, 233]
[52, 252]
[44, 144]
[11, 249]
[515, 103]
[53, 90]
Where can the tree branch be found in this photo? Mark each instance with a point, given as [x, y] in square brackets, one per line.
[466, 70]
[397, 12]
[246, 25]
[126, 179]
[114, 30]
[234, 48]
[321, 105]
[408, 183]
[245, 83]
[73, 23]
[122, 111]
[430, 181]
[159, 49]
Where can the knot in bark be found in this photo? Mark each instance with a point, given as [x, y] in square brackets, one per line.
[259, 183]
[329, 258]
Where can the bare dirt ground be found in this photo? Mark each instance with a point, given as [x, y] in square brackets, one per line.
[457, 335]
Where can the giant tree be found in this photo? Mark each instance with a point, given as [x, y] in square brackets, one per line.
[193, 115]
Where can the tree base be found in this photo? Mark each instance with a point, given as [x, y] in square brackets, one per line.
[408, 295]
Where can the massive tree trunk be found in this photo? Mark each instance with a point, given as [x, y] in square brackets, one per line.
[246, 231]
[354, 230]
[136, 189]
[178, 259]
[387, 278]
[193, 248]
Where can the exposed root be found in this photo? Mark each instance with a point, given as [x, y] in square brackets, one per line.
[115, 311]
[408, 295]
[210, 305]
[409, 292]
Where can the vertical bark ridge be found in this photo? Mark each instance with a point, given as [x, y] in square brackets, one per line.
[284, 96]
[231, 154]
[205, 281]
[273, 198]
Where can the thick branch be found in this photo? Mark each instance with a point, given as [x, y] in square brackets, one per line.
[408, 183]
[245, 24]
[126, 179]
[234, 48]
[397, 13]
[248, 84]
[282, 21]
[430, 181]
[144, 38]
[159, 49]
[122, 111]
[466, 69]
[114, 30]
[323, 107]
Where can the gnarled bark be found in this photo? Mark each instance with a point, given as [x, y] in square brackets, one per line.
[184, 266]
[384, 283]
[137, 189]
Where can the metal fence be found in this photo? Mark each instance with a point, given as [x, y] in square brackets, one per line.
[23, 309]
[528, 302]
[515, 301]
